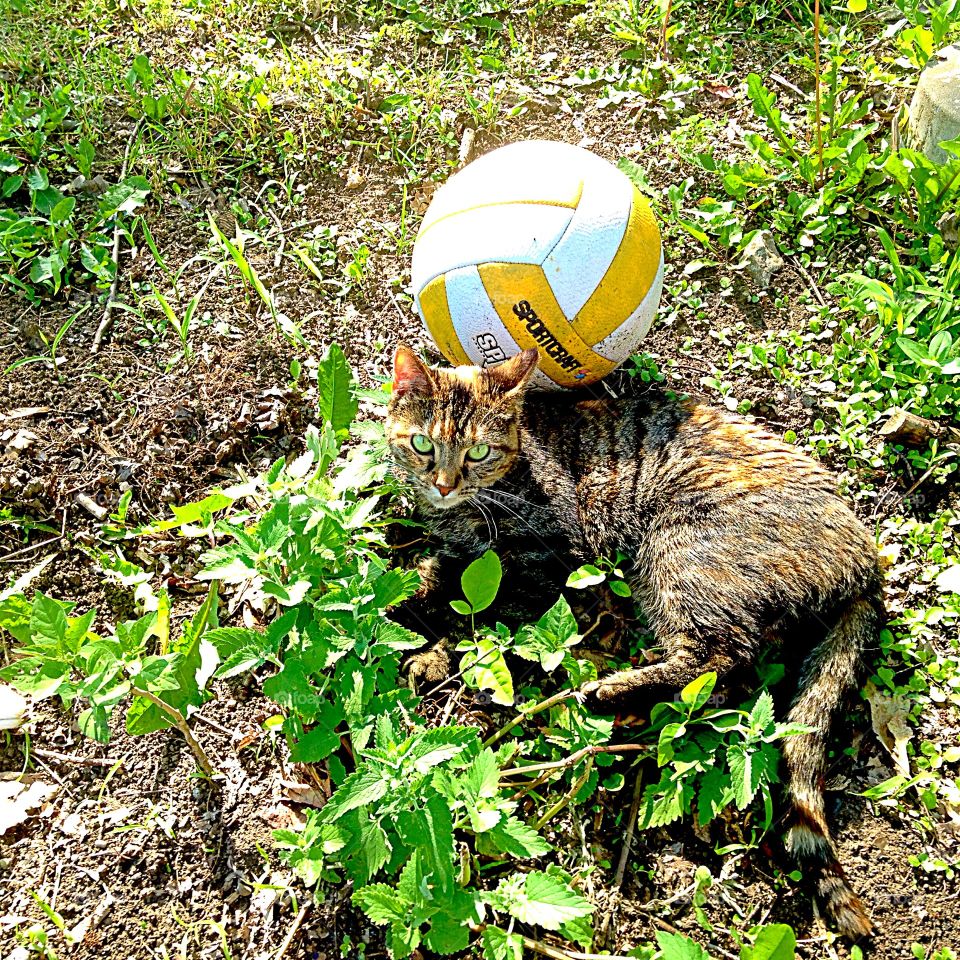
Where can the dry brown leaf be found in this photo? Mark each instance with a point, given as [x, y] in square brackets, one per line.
[889, 718]
[720, 90]
[19, 797]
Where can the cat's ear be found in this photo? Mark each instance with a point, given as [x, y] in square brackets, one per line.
[512, 377]
[410, 373]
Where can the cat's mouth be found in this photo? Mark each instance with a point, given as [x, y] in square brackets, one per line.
[441, 502]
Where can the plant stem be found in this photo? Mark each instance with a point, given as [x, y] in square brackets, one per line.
[179, 721]
[577, 756]
[817, 92]
[112, 294]
[564, 801]
[529, 712]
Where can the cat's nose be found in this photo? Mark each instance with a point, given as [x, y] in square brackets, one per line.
[443, 490]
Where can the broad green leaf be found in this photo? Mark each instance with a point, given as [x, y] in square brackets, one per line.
[540, 898]
[337, 402]
[240, 649]
[514, 838]
[322, 740]
[500, 945]
[675, 946]
[360, 789]
[485, 668]
[429, 830]
[696, 693]
[665, 745]
[93, 723]
[125, 197]
[776, 941]
[481, 580]
[586, 576]
[745, 773]
[381, 903]
[433, 747]
[761, 716]
[914, 350]
[713, 794]
[856, 6]
[48, 621]
[447, 935]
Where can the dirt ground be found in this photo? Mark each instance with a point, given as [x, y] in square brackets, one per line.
[157, 865]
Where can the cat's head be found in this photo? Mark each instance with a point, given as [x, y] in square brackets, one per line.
[454, 432]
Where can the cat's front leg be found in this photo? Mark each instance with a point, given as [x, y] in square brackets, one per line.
[638, 690]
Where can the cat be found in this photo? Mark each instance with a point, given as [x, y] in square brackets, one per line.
[737, 540]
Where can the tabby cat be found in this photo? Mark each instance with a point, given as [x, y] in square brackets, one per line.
[737, 541]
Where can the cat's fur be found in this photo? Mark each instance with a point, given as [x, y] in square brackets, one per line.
[736, 540]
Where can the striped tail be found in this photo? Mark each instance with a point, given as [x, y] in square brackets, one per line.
[829, 674]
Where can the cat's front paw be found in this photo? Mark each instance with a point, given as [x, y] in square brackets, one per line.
[615, 693]
[428, 668]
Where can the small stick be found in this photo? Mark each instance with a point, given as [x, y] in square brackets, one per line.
[78, 761]
[576, 756]
[547, 951]
[529, 712]
[115, 284]
[816, 89]
[37, 546]
[565, 800]
[628, 838]
[90, 505]
[298, 920]
[214, 725]
[181, 724]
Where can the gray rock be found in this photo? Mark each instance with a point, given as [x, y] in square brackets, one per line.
[761, 259]
[935, 108]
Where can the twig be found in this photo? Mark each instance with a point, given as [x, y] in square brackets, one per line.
[37, 546]
[292, 932]
[529, 712]
[631, 828]
[816, 89]
[575, 757]
[810, 282]
[547, 951]
[78, 761]
[663, 31]
[180, 723]
[90, 505]
[784, 82]
[214, 725]
[564, 801]
[114, 285]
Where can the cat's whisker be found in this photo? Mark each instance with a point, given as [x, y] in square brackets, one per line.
[488, 517]
[513, 496]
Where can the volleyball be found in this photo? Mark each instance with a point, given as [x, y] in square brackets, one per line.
[539, 244]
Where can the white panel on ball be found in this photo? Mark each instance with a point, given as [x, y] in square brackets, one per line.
[592, 239]
[505, 233]
[626, 338]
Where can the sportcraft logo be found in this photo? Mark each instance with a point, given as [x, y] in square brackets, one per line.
[550, 344]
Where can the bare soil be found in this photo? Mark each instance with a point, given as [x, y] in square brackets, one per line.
[159, 863]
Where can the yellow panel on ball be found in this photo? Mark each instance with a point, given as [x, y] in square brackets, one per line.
[436, 315]
[528, 309]
[628, 278]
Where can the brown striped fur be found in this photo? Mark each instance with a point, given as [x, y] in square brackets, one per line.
[736, 540]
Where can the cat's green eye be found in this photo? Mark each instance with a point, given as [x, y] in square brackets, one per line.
[479, 451]
[421, 443]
